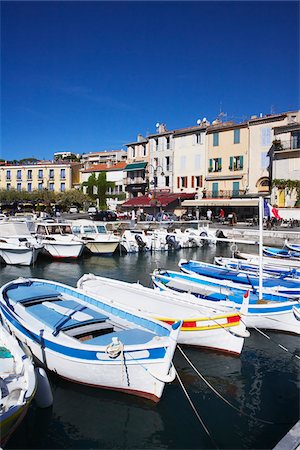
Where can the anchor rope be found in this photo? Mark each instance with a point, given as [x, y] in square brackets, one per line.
[195, 410]
[220, 395]
[274, 342]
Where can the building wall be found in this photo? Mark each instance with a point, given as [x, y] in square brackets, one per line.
[227, 161]
[54, 177]
[161, 159]
[190, 166]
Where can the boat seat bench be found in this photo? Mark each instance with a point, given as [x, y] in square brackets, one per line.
[127, 337]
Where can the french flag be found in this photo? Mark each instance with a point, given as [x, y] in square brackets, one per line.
[270, 211]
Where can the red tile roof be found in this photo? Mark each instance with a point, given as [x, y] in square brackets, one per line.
[106, 167]
[162, 199]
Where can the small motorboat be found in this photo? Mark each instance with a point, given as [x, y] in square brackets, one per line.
[18, 383]
[241, 277]
[253, 267]
[292, 247]
[277, 262]
[202, 326]
[88, 340]
[272, 311]
[95, 236]
[274, 252]
[58, 240]
[17, 245]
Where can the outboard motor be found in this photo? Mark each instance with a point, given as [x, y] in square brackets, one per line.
[139, 240]
[221, 235]
[171, 242]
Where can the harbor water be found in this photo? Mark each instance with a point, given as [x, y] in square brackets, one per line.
[261, 385]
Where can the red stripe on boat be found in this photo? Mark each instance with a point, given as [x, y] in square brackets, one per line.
[233, 319]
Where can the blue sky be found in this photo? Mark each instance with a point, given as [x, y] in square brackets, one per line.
[90, 76]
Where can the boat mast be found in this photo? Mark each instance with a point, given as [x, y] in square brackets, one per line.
[260, 221]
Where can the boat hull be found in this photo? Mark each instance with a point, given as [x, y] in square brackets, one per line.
[19, 256]
[102, 248]
[64, 250]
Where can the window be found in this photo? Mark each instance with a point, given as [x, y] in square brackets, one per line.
[8, 174]
[215, 139]
[51, 174]
[167, 162]
[8, 185]
[19, 186]
[62, 174]
[199, 180]
[265, 137]
[19, 174]
[29, 174]
[144, 150]
[236, 136]
[40, 173]
[29, 187]
[156, 143]
[51, 187]
[197, 162]
[168, 142]
[133, 152]
[183, 182]
[199, 138]
[264, 162]
[236, 162]
[62, 187]
[167, 181]
[215, 165]
[40, 185]
[182, 162]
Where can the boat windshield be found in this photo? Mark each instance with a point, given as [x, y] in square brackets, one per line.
[101, 229]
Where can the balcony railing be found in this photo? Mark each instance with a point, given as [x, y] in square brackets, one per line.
[136, 180]
[291, 144]
[224, 194]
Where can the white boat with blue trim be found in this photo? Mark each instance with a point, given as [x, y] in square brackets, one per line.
[89, 341]
[18, 383]
[271, 311]
[202, 326]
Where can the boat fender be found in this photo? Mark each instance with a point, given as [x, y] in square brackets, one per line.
[115, 348]
[43, 395]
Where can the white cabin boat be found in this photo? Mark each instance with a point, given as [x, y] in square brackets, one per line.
[95, 236]
[17, 245]
[58, 240]
[17, 384]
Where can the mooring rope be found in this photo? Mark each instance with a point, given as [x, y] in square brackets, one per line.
[220, 395]
[195, 410]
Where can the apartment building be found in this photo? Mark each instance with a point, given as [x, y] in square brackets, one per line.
[136, 170]
[160, 170]
[189, 158]
[285, 160]
[109, 156]
[227, 155]
[56, 177]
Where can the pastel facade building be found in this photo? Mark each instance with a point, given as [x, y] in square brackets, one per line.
[135, 172]
[109, 156]
[56, 177]
[189, 158]
[161, 169]
[227, 160]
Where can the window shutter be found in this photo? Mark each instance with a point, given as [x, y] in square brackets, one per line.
[210, 164]
[192, 181]
[231, 163]
[241, 162]
[201, 180]
[178, 182]
[185, 182]
[219, 164]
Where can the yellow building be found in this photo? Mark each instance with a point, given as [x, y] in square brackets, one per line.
[56, 177]
[227, 152]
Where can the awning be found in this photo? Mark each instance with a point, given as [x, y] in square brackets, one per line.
[160, 199]
[135, 166]
[221, 202]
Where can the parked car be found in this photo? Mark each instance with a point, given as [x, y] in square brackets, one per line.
[105, 216]
[92, 210]
[73, 210]
[168, 217]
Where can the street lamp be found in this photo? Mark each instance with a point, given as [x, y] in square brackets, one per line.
[155, 170]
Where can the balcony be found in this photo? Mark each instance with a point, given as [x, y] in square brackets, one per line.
[288, 145]
[136, 180]
[224, 194]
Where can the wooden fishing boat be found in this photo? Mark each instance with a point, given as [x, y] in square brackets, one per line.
[274, 252]
[89, 341]
[292, 246]
[202, 326]
[251, 281]
[269, 311]
[17, 383]
[277, 262]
